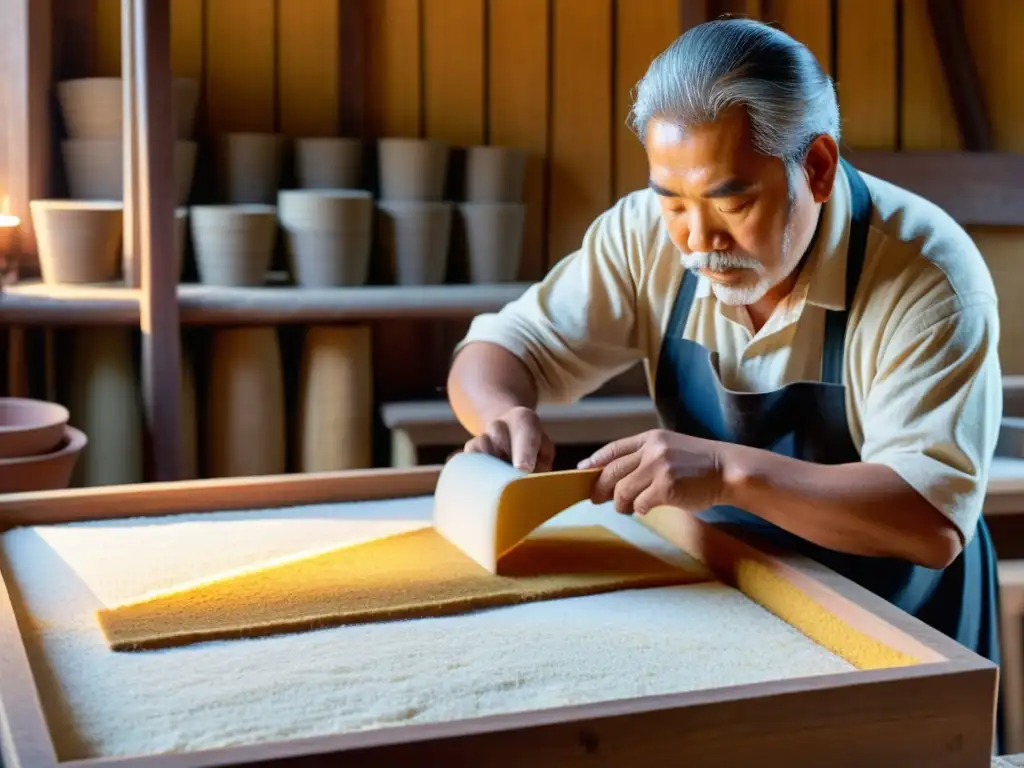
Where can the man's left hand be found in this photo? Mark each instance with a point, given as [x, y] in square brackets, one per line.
[658, 468]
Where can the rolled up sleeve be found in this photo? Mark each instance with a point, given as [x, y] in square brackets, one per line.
[576, 328]
[933, 410]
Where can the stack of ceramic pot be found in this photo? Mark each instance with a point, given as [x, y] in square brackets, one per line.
[79, 239]
[233, 240]
[415, 221]
[328, 221]
[38, 448]
[493, 213]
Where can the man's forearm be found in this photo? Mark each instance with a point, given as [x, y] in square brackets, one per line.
[486, 381]
[862, 509]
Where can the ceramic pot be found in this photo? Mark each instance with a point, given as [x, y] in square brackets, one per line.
[94, 168]
[494, 240]
[328, 235]
[329, 163]
[335, 409]
[495, 174]
[92, 107]
[249, 167]
[30, 427]
[415, 238]
[79, 241]
[245, 424]
[233, 244]
[51, 471]
[412, 169]
[105, 404]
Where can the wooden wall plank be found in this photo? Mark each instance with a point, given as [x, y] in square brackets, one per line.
[187, 38]
[518, 107]
[26, 125]
[307, 72]
[396, 68]
[107, 54]
[809, 21]
[995, 29]
[928, 121]
[240, 77]
[453, 39]
[581, 154]
[866, 58]
[643, 29]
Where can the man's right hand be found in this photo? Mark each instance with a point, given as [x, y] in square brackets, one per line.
[517, 436]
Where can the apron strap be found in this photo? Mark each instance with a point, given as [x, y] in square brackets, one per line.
[681, 306]
[835, 320]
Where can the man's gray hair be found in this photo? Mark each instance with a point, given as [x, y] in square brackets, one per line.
[721, 64]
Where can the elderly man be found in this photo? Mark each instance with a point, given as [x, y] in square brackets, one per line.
[821, 345]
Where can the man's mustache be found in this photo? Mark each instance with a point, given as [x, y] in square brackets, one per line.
[719, 261]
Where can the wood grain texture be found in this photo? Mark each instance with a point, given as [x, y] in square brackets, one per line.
[396, 68]
[994, 30]
[187, 38]
[961, 74]
[928, 121]
[160, 353]
[866, 58]
[518, 108]
[581, 159]
[809, 21]
[453, 40]
[107, 53]
[240, 43]
[643, 29]
[307, 67]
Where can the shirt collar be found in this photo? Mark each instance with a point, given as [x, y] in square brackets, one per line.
[824, 272]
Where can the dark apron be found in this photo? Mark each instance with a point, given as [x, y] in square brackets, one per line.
[807, 420]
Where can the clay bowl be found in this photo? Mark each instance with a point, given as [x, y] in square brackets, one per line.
[46, 472]
[30, 427]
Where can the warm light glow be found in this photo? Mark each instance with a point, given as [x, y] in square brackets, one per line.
[9, 221]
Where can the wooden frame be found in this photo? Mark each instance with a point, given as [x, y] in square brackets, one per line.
[936, 712]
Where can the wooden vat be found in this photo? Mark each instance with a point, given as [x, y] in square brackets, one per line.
[937, 710]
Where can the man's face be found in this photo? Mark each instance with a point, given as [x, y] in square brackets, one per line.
[730, 210]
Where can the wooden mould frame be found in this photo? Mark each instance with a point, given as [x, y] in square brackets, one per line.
[939, 712]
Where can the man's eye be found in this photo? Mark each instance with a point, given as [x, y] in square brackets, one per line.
[735, 207]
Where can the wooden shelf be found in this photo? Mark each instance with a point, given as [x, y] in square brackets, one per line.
[37, 303]
[208, 305]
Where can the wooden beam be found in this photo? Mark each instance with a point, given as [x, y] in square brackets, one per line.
[975, 188]
[154, 206]
[961, 74]
[26, 44]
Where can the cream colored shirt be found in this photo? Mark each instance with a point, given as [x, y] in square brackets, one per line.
[922, 375]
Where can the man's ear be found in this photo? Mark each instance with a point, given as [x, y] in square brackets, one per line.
[821, 164]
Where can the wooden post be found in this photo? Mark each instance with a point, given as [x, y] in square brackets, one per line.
[154, 205]
[129, 145]
[25, 77]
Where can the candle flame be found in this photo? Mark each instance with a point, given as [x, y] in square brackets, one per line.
[6, 220]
